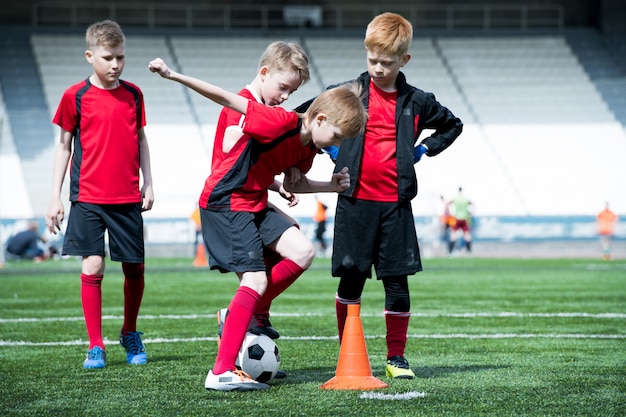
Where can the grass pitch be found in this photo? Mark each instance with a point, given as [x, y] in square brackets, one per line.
[488, 337]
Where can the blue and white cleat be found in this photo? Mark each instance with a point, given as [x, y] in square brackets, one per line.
[134, 347]
[96, 358]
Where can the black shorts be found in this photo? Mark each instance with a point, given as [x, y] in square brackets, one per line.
[374, 233]
[86, 225]
[235, 239]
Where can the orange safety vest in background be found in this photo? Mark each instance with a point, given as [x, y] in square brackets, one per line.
[195, 217]
[606, 222]
[320, 213]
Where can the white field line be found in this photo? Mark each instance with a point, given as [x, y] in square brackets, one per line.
[312, 338]
[425, 315]
[323, 338]
[400, 396]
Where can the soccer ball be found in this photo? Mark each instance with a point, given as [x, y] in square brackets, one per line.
[259, 357]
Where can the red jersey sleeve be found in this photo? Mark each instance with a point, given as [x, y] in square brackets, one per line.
[66, 116]
[265, 124]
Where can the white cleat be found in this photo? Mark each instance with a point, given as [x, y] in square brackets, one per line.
[232, 381]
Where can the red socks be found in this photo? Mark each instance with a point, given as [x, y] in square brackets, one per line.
[240, 311]
[271, 258]
[133, 294]
[397, 324]
[397, 327]
[91, 297]
[244, 305]
[282, 276]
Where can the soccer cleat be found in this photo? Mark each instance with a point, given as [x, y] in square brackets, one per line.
[236, 380]
[135, 349]
[280, 374]
[96, 357]
[398, 368]
[221, 318]
[260, 324]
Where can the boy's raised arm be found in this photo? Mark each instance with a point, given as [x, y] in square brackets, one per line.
[210, 91]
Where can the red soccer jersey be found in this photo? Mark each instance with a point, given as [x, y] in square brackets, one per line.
[105, 123]
[229, 119]
[378, 178]
[242, 177]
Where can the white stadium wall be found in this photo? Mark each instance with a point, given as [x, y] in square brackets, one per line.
[538, 143]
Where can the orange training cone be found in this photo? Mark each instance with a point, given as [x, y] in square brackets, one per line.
[353, 367]
[200, 256]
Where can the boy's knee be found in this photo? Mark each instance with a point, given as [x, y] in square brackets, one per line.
[397, 296]
[93, 265]
[351, 287]
[306, 255]
[303, 259]
[256, 280]
[133, 271]
[398, 304]
[297, 247]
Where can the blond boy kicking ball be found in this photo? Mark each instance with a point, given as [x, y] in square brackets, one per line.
[237, 223]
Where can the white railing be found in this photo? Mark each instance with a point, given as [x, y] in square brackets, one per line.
[272, 17]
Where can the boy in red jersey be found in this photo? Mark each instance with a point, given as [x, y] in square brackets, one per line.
[104, 118]
[374, 223]
[283, 68]
[236, 221]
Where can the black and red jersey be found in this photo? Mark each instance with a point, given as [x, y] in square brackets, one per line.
[105, 123]
[271, 144]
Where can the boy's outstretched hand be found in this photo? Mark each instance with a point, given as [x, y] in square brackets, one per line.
[341, 179]
[158, 65]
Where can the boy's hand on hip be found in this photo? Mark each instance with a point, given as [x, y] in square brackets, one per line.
[418, 152]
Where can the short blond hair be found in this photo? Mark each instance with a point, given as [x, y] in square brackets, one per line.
[343, 106]
[286, 56]
[389, 33]
[105, 33]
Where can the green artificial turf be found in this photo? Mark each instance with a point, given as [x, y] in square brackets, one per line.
[488, 337]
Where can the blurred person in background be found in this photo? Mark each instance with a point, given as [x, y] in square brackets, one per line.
[605, 222]
[320, 220]
[461, 211]
[29, 244]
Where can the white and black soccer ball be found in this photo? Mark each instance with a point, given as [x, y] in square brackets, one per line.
[259, 357]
